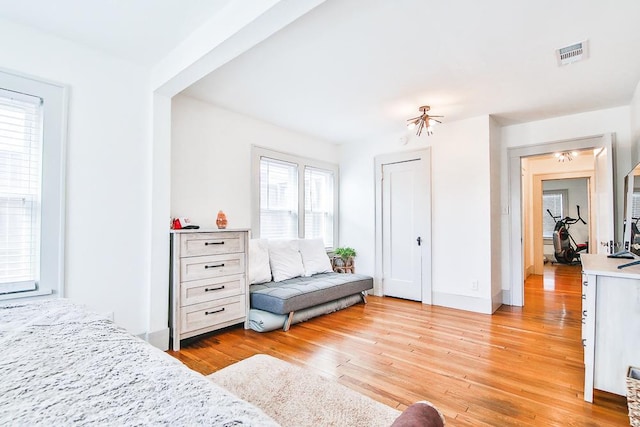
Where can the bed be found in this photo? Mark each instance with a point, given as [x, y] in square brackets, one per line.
[63, 365]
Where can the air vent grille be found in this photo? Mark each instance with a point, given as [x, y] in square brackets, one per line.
[573, 53]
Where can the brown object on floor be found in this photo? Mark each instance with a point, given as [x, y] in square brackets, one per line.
[420, 414]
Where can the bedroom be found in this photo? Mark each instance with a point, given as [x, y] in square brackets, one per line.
[119, 140]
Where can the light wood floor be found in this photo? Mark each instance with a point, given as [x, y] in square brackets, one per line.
[520, 366]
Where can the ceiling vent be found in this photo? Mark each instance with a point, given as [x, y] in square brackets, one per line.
[573, 53]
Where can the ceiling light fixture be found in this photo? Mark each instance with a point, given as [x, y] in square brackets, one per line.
[424, 121]
[566, 156]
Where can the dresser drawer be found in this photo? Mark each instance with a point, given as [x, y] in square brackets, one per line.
[198, 291]
[206, 267]
[205, 315]
[194, 244]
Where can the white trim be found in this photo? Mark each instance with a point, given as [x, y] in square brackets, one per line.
[29, 294]
[464, 302]
[257, 152]
[506, 296]
[379, 161]
[496, 300]
[158, 339]
[515, 154]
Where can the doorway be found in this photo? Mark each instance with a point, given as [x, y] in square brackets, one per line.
[602, 206]
[403, 225]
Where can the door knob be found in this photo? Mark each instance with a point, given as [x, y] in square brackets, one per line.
[419, 240]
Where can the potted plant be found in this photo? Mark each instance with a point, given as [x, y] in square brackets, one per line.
[343, 257]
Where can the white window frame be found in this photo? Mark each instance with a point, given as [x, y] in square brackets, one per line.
[565, 208]
[302, 162]
[54, 131]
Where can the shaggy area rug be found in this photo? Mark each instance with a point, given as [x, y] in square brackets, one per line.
[294, 396]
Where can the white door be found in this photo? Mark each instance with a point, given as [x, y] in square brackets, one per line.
[405, 219]
[603, 188]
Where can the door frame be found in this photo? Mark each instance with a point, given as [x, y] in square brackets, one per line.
[536, 194]
[515, 154]
[423, 154]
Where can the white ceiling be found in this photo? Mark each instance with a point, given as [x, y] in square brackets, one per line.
[141, 31]
[351, 69]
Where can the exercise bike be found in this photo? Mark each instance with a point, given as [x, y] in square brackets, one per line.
[567, 251]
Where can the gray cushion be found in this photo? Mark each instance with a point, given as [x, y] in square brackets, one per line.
[302, 292]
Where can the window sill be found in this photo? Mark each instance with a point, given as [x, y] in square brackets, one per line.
[28, 294]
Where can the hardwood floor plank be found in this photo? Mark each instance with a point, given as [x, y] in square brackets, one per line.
[519, 366]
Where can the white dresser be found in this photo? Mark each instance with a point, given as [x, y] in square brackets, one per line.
[208, 281]
[610, 323]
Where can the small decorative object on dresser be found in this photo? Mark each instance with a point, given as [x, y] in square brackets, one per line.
[221, 220]
[209, 288]
[342, 261]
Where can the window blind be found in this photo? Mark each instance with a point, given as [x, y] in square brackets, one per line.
[635, 205]
[278, 199]
[20, 190]
[318, 205]
[554, 201]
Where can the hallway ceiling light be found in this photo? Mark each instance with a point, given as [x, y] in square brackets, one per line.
[423, 122]
[566, 156]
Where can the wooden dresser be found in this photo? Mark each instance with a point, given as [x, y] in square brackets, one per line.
[208, 281]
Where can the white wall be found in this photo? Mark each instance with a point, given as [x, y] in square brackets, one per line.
[107, 164]
[613, 120]
[211, 160]
[461, 208]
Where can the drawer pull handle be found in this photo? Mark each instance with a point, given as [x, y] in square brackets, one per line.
[213, 289]
[584, 296]
[584, 342]
[584, 313]
[584, 321]
[214, 266]
[213, 243]
[206, 313]
[585, 283]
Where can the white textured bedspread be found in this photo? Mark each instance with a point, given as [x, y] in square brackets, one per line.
[62, 365]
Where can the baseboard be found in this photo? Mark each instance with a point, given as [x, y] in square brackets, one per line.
[496, 301]
[462, 302]
[377, 288]
[506, 296]
[529, 271]
[159, 339]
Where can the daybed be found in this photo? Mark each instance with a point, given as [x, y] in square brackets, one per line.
[63, 365]
[292, 281]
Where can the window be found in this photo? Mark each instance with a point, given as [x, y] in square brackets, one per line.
[635, 205]
[296, 197]
[278, 199]
[318, 204]
[554, 201]
[31, 186]
[20, 167]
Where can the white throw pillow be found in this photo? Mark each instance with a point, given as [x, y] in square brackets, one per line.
[285, 260]
[259, 269]
[314, 257]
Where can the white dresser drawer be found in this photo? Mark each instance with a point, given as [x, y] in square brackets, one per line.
[205, 267]
[205, 315]
[198, 291]
[211, 243]
[209, 288]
